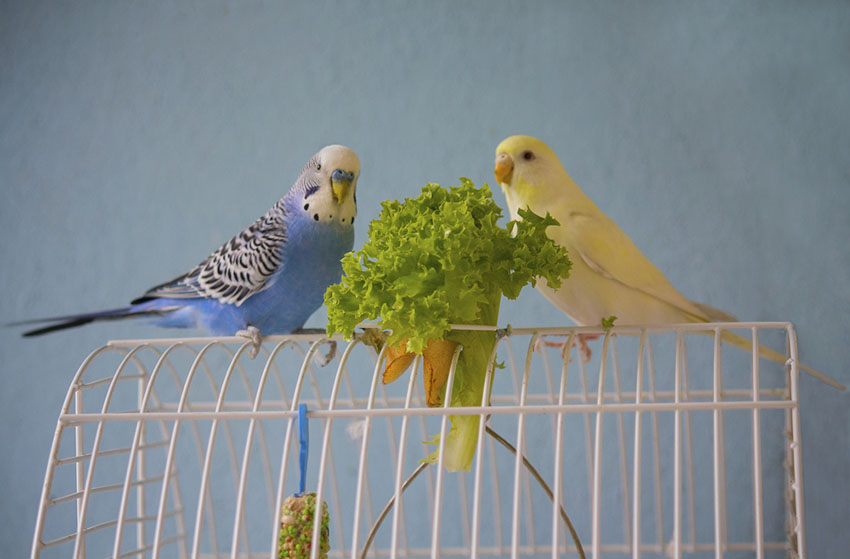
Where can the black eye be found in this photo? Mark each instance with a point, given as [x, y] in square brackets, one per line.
[527, 155]
[319, 167]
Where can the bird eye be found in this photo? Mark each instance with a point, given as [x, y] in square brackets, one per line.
[319, 167]
[527, 155]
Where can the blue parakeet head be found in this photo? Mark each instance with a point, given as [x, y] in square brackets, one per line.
[325, 190]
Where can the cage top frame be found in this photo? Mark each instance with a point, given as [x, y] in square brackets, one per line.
[789, 401]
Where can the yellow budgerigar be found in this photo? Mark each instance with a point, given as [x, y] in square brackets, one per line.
[610, 275]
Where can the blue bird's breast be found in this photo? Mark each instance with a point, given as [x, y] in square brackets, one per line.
[310, 264]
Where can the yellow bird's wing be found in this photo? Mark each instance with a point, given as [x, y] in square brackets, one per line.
[603, 246]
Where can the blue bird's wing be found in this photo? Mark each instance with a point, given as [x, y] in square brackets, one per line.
[237, 270]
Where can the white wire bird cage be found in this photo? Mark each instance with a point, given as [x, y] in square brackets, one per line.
[665, 444]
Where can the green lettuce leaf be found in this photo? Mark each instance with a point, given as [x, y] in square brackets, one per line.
[441, 259]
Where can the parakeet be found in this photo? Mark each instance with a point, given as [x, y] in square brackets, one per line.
[610, 276]
[271, 276]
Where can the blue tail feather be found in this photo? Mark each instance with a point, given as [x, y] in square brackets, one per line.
[74, 320]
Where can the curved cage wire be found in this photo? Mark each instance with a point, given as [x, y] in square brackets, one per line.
[666, 443]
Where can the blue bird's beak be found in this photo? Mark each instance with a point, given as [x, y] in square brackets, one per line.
[341, 183]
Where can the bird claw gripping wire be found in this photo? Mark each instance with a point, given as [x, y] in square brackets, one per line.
[253, 335]
[320, 359]
[504, 332]
[372, 337]
[327, 357]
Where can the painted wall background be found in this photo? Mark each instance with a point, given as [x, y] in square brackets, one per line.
[136, 138]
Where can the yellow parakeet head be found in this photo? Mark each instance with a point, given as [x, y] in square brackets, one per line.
[531, 175]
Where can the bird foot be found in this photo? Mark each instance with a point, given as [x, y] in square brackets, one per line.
[321, 360]
[373, 338]
[581, 342]
[252, 333]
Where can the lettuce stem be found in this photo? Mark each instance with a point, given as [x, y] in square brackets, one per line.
[469, 384]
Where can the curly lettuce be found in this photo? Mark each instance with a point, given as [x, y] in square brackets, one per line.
[442, 259]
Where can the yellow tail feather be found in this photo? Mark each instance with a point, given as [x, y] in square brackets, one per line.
[767, 353]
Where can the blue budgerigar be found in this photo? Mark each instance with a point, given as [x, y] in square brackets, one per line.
[270, 277]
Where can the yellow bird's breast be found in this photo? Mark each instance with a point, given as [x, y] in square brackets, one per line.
[589, 295]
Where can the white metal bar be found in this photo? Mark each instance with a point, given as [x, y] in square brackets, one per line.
[636, 467]
[557, 490]
[177, 495]
[723, 484]
[362, 478]
[495, 481]
[676, 544]
[141, 507]
[325, 457]
[464, 507]
[621, 439]
[441, 457]
[490, 551]
[588, 446]
[394, 456]
[758, 501]
[290, 428]
[550, 383]
[141, 474]
[174, 479]
[281, 386]
[143, 548]
[656, 446]
[138, 440]
[334, 506]
[212, 525]
[79, 543]
[366, 433]
[104, 489]
[479, 457]
[110, 452]
[239, 522]
[80, 468]
[743, 394]
[495, 484]
[419, 401]
[415, 412]
[788, 467]
[596, 539]
[106, 380]
[522, 397]
[689, 449]
[53, 460]
[520, 452]
[797, 452]
[717, 443]
[266, 463]
[246, 453]
[205, 471]
[399, 469]
[633, 330]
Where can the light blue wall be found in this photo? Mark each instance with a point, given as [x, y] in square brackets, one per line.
[135, 138]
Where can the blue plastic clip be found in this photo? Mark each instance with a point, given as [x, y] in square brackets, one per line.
[304, 442]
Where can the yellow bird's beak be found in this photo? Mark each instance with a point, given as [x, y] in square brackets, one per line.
[340, 190]
[341, 183]
[504, 168]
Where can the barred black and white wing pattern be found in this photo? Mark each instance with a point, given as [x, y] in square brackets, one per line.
[237, 270]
